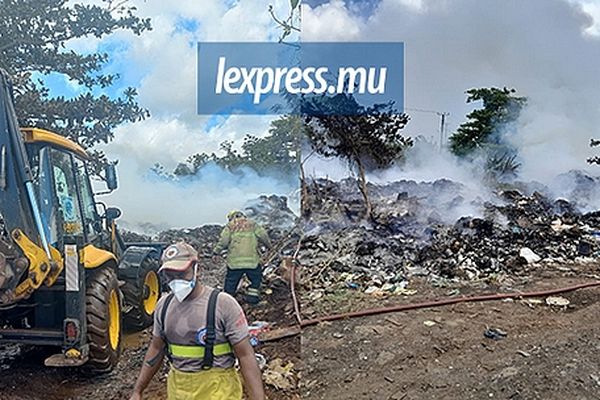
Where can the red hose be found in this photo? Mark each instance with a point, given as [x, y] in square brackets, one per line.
[434, 303]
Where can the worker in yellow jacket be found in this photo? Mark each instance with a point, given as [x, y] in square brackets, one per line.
[201, 331]
[242, 238]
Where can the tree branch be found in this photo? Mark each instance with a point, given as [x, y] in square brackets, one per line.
[110, 7]
[281, 23]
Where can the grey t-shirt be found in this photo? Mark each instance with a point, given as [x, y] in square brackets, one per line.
[185, 324]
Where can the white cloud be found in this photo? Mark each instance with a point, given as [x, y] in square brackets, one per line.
[170, 141]
[592, 7]
[536, 46]
[414, 5]
[329, 22]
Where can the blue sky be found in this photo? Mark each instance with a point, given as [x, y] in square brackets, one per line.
[161, 65]
[180, 25]
[363, 8]
[130, 74]
[549, 50]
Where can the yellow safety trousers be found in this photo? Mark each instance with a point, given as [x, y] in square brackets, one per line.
[211, 384]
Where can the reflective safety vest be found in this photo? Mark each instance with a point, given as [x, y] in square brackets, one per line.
[210, 349]
[241, 238]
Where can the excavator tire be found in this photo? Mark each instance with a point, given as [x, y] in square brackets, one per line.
[141, 295]
[103, 311]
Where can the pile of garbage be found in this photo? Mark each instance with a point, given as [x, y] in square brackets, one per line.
[443, 230]
[202, 238]
[270, 211]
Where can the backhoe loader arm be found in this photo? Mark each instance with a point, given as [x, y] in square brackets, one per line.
[21, 219]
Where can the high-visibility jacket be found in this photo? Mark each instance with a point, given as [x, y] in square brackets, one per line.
[241, 237]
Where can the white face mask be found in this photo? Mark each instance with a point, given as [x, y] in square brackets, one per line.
[182, 288]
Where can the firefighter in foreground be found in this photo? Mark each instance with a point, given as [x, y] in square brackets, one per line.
[242, 238]
[201, 331]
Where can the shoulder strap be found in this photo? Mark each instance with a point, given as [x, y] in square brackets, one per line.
[211, 336]
[163, 315]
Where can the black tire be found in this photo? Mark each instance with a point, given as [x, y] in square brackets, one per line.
[140, 297]
[102, 285]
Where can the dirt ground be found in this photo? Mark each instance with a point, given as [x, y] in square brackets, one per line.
[24, 377]
[441, 353]
[548, 353]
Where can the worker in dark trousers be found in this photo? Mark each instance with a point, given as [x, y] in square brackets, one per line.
[201, 331]
[242, 238]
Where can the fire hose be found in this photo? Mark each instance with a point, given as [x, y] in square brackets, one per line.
[445, 302]
[303, 323]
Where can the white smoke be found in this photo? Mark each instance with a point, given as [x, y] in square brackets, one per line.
[161, 65]
[546, 49]
[150, 204]
[161, 203]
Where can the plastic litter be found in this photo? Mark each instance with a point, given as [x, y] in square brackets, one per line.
[495, 334]
[529, 255]
[256, 329]
[557, 301]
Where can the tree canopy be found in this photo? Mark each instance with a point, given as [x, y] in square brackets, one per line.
[275, 154]
[33, 41]
[365, 137]
[484, 126]
[486, 130]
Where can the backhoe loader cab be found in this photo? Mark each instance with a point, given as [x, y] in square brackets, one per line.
[67, 279]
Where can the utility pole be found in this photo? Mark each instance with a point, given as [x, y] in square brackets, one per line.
[443, 122]
[443, 116]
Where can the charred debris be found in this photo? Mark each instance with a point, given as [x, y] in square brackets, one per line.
[444, 231]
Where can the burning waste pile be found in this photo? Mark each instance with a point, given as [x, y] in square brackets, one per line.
[441, 230]
[272, 212]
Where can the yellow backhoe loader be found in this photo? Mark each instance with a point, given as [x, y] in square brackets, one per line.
[67, 279]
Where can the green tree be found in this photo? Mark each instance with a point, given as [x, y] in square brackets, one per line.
[183, 169]
[231, 159]
[365, 137]
[279, 151]
[197, 161]
[33, 38]
[484, 127]
[275, 154]
[594, 159]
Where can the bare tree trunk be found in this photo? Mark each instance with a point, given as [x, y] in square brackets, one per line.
[362, 185]
[304, 204]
